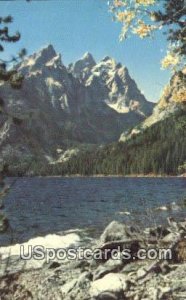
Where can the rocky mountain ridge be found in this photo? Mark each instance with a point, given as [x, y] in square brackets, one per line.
[86, 102]
[172, 100]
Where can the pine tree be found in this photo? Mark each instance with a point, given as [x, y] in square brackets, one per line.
[12, 76]
[9, 75]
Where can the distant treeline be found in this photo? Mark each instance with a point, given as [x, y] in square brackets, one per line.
[159, 149]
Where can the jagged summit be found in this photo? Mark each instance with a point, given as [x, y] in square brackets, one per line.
[86, 102]
[81, 68]
[89, 58]
[106, 58]
[37, 60]
[110, 80]
[47, 52]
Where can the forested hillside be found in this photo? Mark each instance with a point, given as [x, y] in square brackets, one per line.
[159, 149]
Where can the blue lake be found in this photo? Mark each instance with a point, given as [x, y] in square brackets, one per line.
[38, 206]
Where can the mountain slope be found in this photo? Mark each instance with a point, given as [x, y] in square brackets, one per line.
[159, 149]
[173, 99]
[60, 106]
[157, 145]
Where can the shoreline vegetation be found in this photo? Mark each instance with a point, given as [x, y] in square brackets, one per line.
[122, 176]
[104, 176]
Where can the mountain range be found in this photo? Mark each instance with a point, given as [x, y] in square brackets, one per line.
[63, 107]
[156, 146]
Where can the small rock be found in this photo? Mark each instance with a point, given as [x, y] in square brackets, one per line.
[182, 225]
[112, 283]
[84, 278]
[110, 266]
[133, 267]
[169, 238]
[108, 296]
[68, 287]
[141, 272]
[54, 265]
[82, 282]
[4, 223]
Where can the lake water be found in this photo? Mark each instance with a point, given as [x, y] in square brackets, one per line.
[38, 206]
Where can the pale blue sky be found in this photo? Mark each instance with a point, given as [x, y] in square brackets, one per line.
[77, 26]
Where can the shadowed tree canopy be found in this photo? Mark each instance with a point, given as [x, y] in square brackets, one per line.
[8, 72]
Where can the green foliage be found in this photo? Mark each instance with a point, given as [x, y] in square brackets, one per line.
[12, 76]
[9, 75]
[174, 14]
[160, 149]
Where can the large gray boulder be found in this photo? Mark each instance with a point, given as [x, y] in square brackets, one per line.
[116, 231]
[111, 286]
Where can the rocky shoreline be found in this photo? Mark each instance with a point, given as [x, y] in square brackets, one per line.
[103, 278]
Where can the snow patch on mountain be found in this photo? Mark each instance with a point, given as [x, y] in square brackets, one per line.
[84, 103]
[50, 82]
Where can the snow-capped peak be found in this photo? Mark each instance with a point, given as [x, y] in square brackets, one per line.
[55, 61]
[38, 60]
[89, 58]
[81, 68]
[107, 58]
[47, 52]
